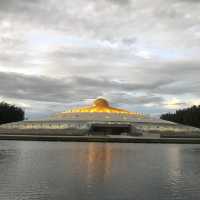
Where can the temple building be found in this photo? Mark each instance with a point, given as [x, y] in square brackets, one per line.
[100, 119]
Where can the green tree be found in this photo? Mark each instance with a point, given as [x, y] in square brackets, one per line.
[10, 113]
[188, 116]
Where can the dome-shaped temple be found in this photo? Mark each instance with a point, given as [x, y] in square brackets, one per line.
[100, 102]
[99, 119]
[100, 105]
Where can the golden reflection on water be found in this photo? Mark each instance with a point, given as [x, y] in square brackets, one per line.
[174, 162]
[46, 170]
[98, 162]
[175, 176]
[99, 158]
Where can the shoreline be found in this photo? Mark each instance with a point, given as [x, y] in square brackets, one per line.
[102, 139]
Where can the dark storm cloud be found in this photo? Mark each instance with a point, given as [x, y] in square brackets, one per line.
[40, 12]
[29, 87]
[118, 85]
[147, 99]
[74, 88]
[129, 41]
[182, 76]
[70, 89]
[182, 67]
[180, 88]
[129, 99]
[133, 52]
[189, 1]
[120, 2]
[10, 5]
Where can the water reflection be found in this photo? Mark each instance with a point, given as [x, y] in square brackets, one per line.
[99, 160]
[44, 170]
[174, 162]
[95, 166]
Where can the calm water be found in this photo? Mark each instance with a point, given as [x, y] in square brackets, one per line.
[58, 171]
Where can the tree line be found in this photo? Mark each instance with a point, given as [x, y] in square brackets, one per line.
[189, 116]
[10, 113]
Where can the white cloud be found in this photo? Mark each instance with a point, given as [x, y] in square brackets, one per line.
[146, 51]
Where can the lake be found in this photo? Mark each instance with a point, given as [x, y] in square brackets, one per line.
[99, 171]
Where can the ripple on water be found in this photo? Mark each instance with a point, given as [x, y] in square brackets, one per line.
[57, 170]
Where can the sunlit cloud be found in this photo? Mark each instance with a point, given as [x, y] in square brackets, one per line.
[141, 56]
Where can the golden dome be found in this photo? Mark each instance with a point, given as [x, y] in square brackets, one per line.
[100, 105]
[100, 102]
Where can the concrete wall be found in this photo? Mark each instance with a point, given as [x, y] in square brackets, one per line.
[106, 117]
[140, 127]
[150, 127]
[46, 125]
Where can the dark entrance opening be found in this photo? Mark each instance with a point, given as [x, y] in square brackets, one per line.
[110, 129]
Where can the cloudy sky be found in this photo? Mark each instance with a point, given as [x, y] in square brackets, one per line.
[141, 55]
